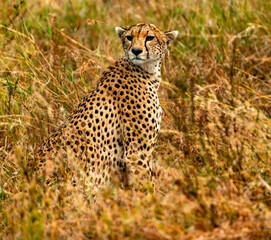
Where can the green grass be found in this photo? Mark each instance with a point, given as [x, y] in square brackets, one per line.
[214, 147]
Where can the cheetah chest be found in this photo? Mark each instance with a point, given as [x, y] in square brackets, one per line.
[159, 115]
[155, 111]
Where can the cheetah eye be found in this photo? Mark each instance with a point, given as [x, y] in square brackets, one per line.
[149, 38]
[129, 38]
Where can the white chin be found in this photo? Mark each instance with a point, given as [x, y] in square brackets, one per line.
[138, 61]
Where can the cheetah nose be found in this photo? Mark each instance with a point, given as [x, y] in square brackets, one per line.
[136, 51]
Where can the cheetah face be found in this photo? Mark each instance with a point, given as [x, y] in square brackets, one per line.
[144, 43]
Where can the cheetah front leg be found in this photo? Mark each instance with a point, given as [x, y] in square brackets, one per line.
[137, 157]
[137, 170]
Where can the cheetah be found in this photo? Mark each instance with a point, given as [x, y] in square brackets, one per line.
[112, 132]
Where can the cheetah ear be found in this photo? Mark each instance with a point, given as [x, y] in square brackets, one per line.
[171, 35]
[120, 31]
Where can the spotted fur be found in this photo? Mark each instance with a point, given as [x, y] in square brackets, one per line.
[112, 132]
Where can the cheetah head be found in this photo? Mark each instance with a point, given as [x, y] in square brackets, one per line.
[144, 43]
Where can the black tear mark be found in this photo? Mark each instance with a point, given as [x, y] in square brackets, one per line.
[148, 55]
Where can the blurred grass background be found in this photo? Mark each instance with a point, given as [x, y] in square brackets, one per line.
[214, 146]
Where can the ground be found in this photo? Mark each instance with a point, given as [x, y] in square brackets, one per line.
[214, 144]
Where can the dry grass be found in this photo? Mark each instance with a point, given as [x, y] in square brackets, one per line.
[214, 146]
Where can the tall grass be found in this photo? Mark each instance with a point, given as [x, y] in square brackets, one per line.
[214, 147]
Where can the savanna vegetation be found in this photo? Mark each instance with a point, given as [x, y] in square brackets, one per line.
[214, 147]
